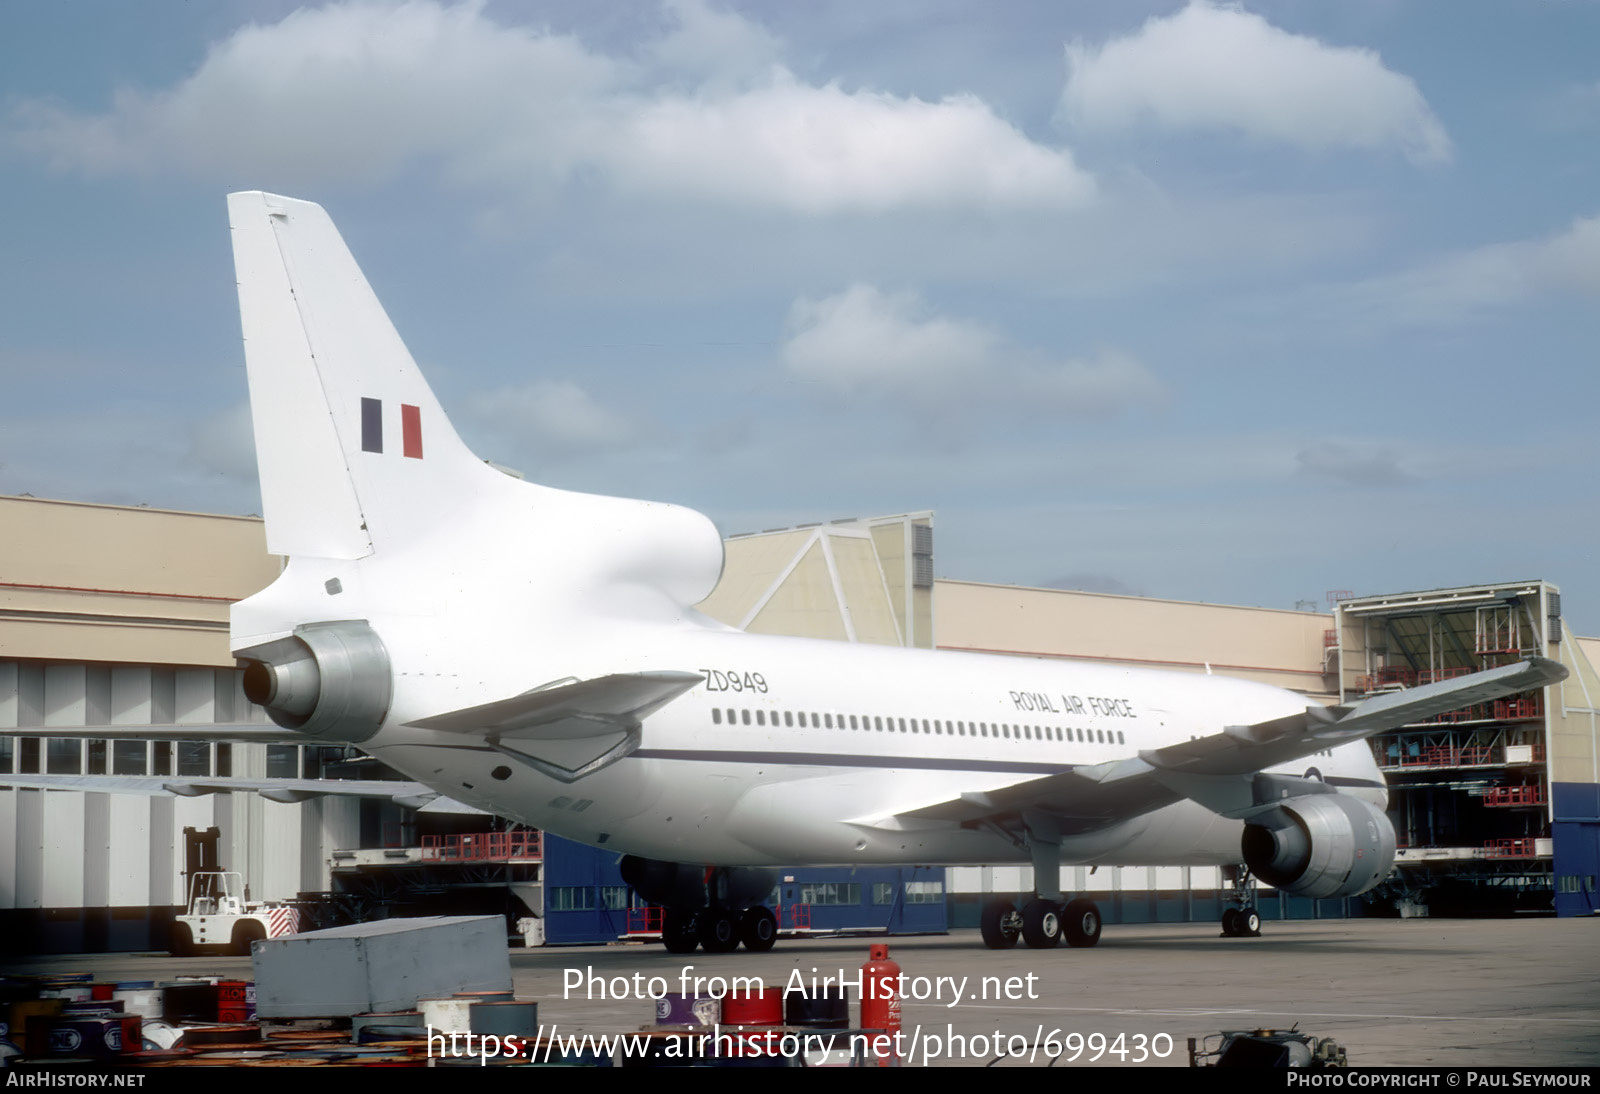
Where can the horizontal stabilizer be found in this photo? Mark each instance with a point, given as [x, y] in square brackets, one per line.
[409, 794]
[234, 732]
[566, 710]
[569, 730]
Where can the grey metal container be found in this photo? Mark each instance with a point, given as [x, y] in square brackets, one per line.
[381, 966]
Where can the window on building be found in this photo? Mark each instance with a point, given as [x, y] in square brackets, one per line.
[194, 758]
[830, 893]
[924, 892]
[64, 757]
[283, 761]
[572, 898]
[613, 897]
[883, 892]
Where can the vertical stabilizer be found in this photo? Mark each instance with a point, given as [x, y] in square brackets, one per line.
[352, 447]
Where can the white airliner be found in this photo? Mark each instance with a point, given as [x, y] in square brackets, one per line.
[536, 653]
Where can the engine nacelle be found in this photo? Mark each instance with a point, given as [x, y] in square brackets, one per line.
[1326, 845]
[330, 680]
[679, 885]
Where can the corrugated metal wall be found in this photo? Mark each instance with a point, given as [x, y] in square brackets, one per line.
[68, 850]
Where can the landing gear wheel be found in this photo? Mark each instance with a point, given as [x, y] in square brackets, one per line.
[679, 932]
[758, 929]
[1230, 923]
[1249, 923]
[1081, 921]
[719, 933]
[1041, 924]
[244, 934]
[182, 940]
[1000, 924]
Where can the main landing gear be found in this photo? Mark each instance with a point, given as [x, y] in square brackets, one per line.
[1045, 918]
[715, 907]
[1242, 920]
[1040, 923]
[719, 930]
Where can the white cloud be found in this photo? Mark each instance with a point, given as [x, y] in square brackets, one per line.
[1473, 283]
[1213, 67]
[1356, 465]
[359, 91]
[550, 417]
[865, 341]
[717, 47]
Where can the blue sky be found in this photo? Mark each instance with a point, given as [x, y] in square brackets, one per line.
[1203, 301]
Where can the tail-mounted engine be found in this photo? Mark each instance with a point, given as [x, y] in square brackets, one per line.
[1326, 845]
[329, 680]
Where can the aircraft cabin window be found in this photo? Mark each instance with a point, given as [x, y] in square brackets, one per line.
[1120, 739]
[716, 716]
[877, 722]
[745, 716]
[788, 719]
[853, 722]
[761, 718]
[827, 720]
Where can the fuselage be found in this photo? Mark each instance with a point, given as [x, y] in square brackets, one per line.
[805, 751]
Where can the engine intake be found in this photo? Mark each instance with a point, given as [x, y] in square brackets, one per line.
[1329, 845]
[330, 680]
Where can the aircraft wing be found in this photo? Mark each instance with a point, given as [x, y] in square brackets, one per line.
[1225, 771]
[409, 794]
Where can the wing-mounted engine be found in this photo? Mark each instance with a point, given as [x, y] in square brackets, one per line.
[1327, 845]
[331, 680]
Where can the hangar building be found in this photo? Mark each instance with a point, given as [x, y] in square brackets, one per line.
[117, 616]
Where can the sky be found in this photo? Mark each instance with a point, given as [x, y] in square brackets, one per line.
[1203, 301]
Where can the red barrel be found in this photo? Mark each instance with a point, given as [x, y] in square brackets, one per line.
[761, 1007]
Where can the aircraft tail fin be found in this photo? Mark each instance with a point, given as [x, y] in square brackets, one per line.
[352, 446]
